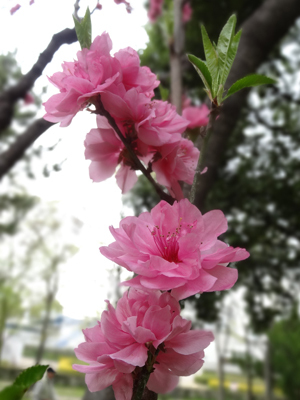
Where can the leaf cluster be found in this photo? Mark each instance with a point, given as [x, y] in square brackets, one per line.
[219, 59]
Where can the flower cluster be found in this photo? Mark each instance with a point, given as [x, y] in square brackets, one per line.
[144, 331]
[175, 248]
[152, 128]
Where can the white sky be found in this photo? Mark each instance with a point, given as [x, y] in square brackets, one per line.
[84, 280]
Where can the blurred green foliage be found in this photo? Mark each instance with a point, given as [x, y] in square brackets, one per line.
[285, 352]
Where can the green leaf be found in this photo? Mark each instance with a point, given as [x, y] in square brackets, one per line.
[230, 56]
[220, 94]
[12, 393]
[224, 43]
[212, 60]
[84, 30]
[202, 70]
[248, 81]
[30, 376]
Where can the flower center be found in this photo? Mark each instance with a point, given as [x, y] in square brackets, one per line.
[167, 244]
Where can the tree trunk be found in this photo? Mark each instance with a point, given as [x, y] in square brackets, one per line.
[44, 331]
[249, 370]
[221, 391]
[3, 316]
[176, 52]
[261, 33]
[268, 371]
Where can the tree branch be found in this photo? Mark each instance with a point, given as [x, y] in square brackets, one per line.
[261, 32]
[9, 157]
[9, 97]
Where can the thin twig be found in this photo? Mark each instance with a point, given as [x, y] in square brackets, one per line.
[76, 9]
[102, 111]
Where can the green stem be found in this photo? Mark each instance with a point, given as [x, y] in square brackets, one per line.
[201, 161]
[140, 384]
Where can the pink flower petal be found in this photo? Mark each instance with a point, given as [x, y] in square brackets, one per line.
[123, 387]
[100, 381]
[162, 380]
[135, 354]
[190, 342]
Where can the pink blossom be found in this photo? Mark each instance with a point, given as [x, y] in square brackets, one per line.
[197, 116]
[99, 6]
[175, 248]
[31, 2]
[155, 9]
[187, 12]
[15, 8]
[144, 329]
[134, 75]
[95, 71]
[106, 151]
[177, 161]
[81, 80]
[155, 122]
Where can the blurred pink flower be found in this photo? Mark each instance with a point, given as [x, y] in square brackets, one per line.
[14, 9]
[144, 329]
[31, 2]
[197, 116]
[175, 248]
[155, 9]
[187, 12]
[177, 161]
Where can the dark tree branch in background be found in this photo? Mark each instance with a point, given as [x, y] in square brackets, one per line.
[261, 33]
[9, 97]
[16, 151]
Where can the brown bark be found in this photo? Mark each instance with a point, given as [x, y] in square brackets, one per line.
[261, 33]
